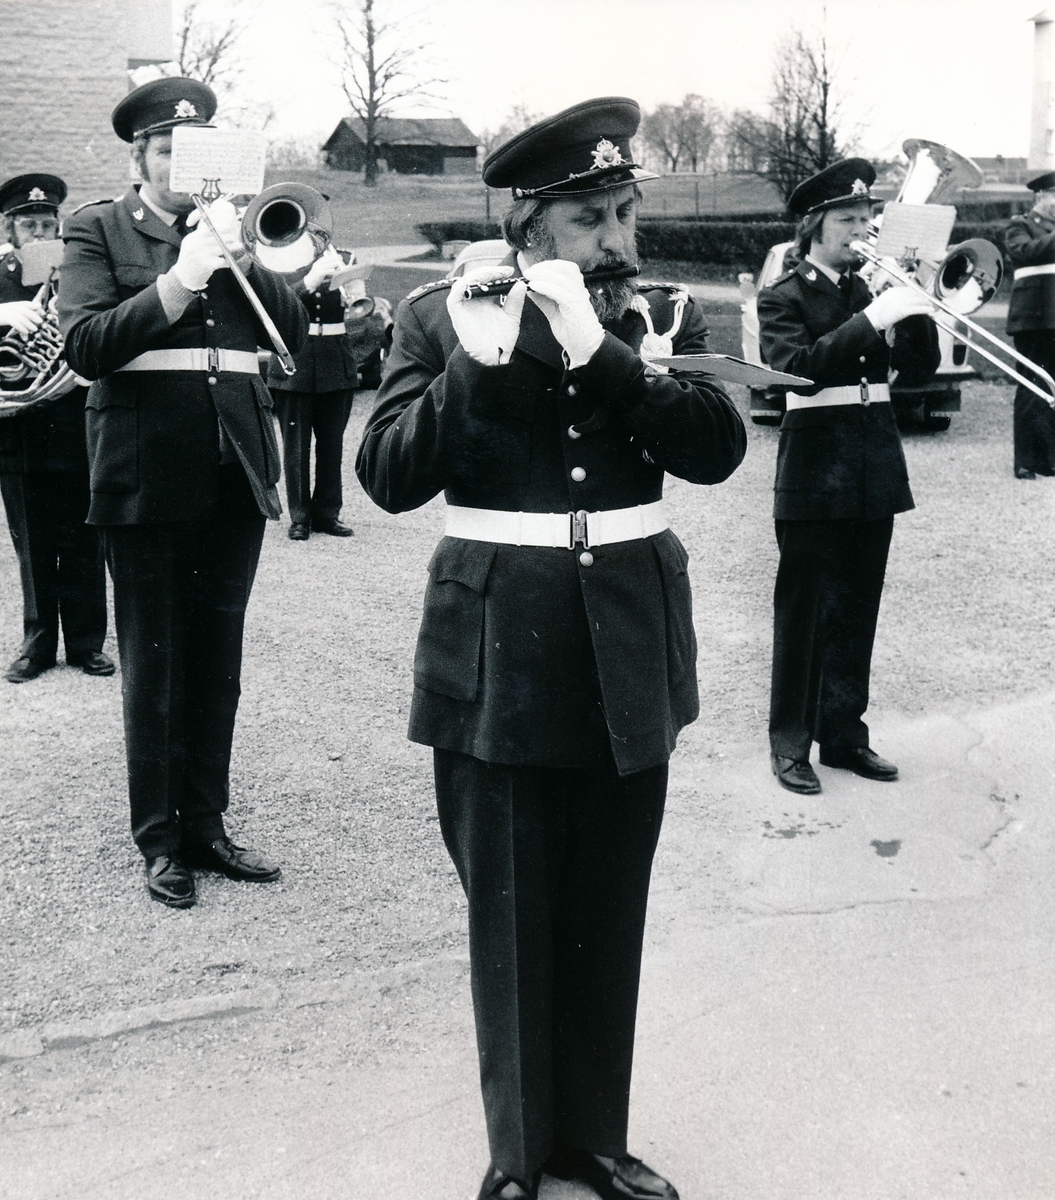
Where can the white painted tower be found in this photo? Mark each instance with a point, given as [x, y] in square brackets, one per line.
[1042, 119]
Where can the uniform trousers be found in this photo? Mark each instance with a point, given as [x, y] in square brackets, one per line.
[324, 414]
[60, 562]
[180, 595]
[1034, 420]
[555, 864]
[825, 606]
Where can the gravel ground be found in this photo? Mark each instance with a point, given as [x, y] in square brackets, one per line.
[324, 780]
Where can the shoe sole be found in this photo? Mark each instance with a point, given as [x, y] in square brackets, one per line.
[799, 791]
[237, 876]
[173, 901]
[861, 774]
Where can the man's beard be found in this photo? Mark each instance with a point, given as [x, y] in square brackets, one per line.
[610, 298]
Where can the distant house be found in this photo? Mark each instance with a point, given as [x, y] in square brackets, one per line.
[410, 146]
[1004, 170]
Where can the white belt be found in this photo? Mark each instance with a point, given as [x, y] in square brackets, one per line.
[858, 393]
[556, 529]
[1026, 272]
[327, 329]
[196, 358]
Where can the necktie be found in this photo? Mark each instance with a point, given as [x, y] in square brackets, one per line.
[180, 225]
[846, 287]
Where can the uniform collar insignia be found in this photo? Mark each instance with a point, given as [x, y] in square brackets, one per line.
[811, 275]
[860, 188]
[607, 155]
[139, 214]
[185, 109]
[37, 194]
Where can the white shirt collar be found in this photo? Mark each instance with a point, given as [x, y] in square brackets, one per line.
[834, 276]
[167, 217]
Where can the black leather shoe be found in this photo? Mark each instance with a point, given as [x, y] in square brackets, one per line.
[22, 670]
[233, 861]
[795, 775]
[861, 761]
[169, 882]
[94, 663]
[333, 527]
[497, 1186]
[1024, 473]
[623, 1178]
[298, 532]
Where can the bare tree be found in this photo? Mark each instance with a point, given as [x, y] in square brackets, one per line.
[661, 130]
[519, 118]
[682, 132]
[801, 134]
[205, 49]
[379, 68]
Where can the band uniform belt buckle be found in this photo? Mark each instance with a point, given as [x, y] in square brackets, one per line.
[578, 531]
[214, 360]
[864, 392]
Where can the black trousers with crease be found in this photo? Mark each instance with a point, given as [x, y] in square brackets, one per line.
[324, 414]
[825, 609]
[1034, 420]
[180, 595]
[555, 864]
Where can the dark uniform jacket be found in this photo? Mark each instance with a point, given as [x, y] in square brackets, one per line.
[153, 436]
[1030, 242]
[526, 656]
[841, 462]
[47, 437]
[326, 364]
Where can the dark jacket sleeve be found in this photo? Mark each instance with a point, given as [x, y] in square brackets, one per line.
[1025, 250]
[916, 353]
[786, 344]
[689, 428]
[411, 438]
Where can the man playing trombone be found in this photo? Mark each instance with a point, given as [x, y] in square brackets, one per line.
[184, 464]
[841, 474]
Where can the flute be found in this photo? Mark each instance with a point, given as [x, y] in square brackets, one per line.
[502, 287]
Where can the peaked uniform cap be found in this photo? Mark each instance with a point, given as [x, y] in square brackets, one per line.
[1042, 183]
[584, 149]
[845, 182]
[30, 191]
[162, 104]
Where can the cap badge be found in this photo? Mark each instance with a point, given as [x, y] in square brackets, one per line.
[860, 188]
[607, 155]
[37, 194]
[185, 109]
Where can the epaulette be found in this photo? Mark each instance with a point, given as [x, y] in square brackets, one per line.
[432, 286]
[781, 278]
[90, 203]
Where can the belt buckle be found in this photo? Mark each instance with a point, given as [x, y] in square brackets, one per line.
[864, 392]
[577, 529]
[214, 360]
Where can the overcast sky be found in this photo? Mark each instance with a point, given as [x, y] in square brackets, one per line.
[956, 71]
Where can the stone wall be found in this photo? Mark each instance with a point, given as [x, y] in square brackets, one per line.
[63, 67]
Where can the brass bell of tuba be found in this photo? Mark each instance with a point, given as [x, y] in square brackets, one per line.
[33, 370]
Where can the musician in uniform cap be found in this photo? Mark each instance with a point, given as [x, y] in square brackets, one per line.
[1030, 244]
[44, 470]
[184, 464]
[841, 474]
[317, 400]
[556, 660]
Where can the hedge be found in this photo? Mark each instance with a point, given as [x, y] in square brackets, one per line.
[438, 232]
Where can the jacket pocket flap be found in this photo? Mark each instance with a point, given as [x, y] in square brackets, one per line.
[463, 562]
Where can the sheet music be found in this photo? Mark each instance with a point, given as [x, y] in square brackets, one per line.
[233, 157]
[915, 231]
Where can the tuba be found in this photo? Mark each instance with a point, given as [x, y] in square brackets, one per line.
[33, 370]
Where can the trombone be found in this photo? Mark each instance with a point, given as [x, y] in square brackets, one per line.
[285, 228]
[970, 272]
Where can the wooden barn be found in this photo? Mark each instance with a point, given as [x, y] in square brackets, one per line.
[407, 145]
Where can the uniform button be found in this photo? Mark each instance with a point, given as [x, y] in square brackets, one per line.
[211, 379]
[210, 322]
[864, 378]
[573, 389]
[861, 359]
[573, 432]
[578, 474]
[586, 559]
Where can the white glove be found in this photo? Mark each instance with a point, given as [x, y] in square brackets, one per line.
[322, 269]
[23, 316]
[895, 304]
[488, 326]
[557, 287]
